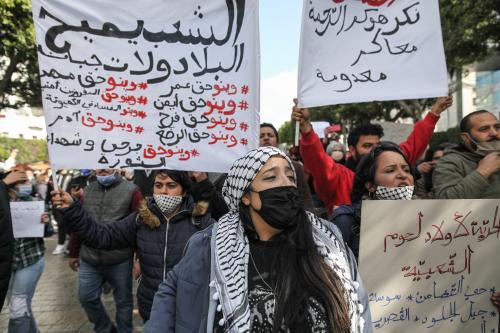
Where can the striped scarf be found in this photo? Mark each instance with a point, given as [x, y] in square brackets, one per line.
[232, 248]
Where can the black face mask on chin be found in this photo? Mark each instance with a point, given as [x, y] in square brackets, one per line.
[280, 206]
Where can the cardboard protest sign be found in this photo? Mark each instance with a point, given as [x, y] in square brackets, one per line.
[26, 217]
[370, 50]
[431, 265]
[150, 84]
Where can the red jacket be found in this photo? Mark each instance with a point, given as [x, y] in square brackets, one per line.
[333, 181]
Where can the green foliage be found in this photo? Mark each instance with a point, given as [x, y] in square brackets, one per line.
[30, 151]
[471, 31]
[349, 114]
[452, 135]
[18, 56]
[287, 132]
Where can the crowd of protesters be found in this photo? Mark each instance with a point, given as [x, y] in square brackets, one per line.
[271, 246]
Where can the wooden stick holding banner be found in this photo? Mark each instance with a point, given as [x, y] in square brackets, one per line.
[54, 180]
[297, 133]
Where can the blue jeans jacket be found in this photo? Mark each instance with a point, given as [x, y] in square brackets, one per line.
[194, 309]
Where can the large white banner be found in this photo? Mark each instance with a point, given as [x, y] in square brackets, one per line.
[149, 84]
[431, 265]
[370, 50]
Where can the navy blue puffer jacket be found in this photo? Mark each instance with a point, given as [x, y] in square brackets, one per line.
[159, 243]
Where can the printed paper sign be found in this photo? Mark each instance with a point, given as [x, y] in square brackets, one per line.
[431, 265]
[26, 218]
[370, 50]
[149, 84]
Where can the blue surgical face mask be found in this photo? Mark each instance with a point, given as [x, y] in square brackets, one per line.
[24, 191]
[106, 180]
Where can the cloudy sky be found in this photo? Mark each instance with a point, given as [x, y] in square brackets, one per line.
[280, 22]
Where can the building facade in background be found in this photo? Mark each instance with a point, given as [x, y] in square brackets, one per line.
[23, 123]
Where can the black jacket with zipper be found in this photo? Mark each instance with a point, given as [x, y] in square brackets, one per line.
[159, 243]
[6, 243]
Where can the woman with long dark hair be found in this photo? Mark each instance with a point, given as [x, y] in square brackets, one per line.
[267, 266]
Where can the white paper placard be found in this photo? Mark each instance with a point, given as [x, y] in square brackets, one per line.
[149, 84]
[371, 50]
[26, 218]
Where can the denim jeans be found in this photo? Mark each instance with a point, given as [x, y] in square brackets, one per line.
[119, 276]
[21, 290]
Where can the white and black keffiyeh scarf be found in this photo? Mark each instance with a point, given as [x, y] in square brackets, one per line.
[232, 248]
[167, 203]
[394, 193]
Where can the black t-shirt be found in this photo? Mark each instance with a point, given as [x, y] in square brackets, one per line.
[261, 294]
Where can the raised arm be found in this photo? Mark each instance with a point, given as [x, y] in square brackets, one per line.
[332, 181]
[105, 236]
[418, 140]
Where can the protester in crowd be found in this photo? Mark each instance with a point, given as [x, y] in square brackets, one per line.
[269, 265]
[110, 198]
[472, 169]
[159, 230]
[76, 184]
[269, 137]
[336, 150]
[27, 265]
[333, 181]
[6, 235]
[385, 173]
[42, 181]
[424, 186]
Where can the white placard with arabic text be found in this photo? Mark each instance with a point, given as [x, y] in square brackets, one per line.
[431, 265]
[150, 84]
[370, 50]
[26, 218]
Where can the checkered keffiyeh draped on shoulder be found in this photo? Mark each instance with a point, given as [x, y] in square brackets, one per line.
[243, 172]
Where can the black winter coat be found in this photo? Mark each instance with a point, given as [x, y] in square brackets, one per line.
[6, 243]
[159, 243]
[348, 219]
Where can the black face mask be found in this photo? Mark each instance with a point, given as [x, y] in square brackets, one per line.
[280, 206]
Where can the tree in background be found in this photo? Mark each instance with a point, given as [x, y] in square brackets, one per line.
[29, 151]
[19, 76]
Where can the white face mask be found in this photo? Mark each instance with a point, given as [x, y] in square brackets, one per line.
[394, 193]
[167, 203]
[337, 155]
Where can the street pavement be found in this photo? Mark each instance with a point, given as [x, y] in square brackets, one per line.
[56, 306]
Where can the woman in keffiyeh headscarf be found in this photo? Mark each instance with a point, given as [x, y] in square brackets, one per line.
[267, 266]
